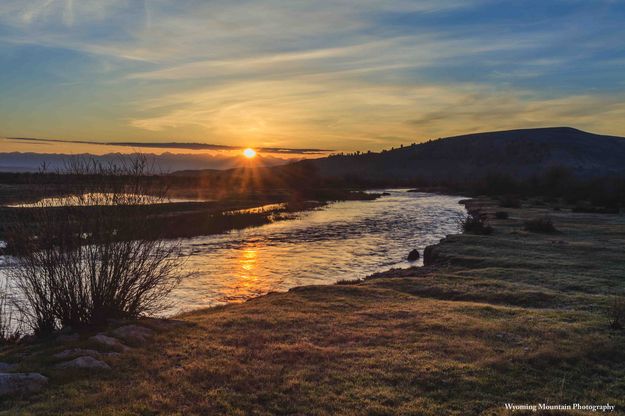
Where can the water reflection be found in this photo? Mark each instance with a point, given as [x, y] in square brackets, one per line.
[248, 260]
[246, 280]
[344, 240]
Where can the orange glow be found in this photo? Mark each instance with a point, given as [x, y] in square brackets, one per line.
[249, 153]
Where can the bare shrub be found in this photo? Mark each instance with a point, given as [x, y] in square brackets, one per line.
[475, 223]
[9, 324]
[95, 254]
[540, 225]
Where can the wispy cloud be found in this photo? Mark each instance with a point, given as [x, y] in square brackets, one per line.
[173, 145]
[341, 74]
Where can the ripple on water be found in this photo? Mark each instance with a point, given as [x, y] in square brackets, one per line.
[344, 240]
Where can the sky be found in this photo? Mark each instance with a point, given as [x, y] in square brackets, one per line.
[339, 75]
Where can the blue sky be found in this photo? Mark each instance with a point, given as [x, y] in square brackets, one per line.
[345, 74]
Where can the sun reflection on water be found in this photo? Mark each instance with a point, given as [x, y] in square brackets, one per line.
[247, 261]
[247, 282]
[344, 240]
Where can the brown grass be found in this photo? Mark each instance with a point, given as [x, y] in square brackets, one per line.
[512, 317]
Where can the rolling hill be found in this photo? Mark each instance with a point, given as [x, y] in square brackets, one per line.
[518, 153]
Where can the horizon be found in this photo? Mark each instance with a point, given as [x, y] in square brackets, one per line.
[196, 156]
[340, 76]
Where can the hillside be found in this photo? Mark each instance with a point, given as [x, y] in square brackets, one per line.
[519, 153]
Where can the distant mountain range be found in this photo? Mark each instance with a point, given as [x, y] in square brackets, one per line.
[518, 153]
[166, 162]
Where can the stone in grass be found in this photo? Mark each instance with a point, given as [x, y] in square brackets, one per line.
[133, 333]
[85, 362]
[110, 342]
[21, 383]
[75, 352]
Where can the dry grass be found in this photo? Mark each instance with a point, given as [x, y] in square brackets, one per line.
[512, 317]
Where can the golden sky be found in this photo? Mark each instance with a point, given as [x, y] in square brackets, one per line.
[343, 75]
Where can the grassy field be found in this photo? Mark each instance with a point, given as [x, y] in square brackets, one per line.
[512, 317]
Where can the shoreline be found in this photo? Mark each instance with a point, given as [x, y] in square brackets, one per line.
[465, 336]
[202, 218]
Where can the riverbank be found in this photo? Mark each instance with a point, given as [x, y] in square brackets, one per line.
[512, 317]
[199, 218]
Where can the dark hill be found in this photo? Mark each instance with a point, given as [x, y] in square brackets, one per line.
[518, 153]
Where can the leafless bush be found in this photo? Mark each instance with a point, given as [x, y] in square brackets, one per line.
[95, 254]
[475, 223]
[9, 324]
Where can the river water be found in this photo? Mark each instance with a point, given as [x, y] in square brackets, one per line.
[341, 241]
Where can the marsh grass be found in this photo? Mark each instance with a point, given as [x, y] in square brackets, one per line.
[542, 224]
[617, 313]
[502, 215]
[511, 317]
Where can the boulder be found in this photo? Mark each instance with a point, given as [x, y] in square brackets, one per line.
[429, 255]
[20, 383]
[75, 352]
[133, 333]
[413, 255]
[109, 342]
[85, 362]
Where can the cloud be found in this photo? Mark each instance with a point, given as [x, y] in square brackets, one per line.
[174, 145]
[340, 74]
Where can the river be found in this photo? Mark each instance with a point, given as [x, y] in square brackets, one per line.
[341, 241]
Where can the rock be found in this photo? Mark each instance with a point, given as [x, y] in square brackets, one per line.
[429, 255]
[110, 342]
[74, 352]
[85, 362]
[4, 367]
[133, 333]
[14, 383]
[413, 255]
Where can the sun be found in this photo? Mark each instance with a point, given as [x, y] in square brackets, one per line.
[249, 153]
